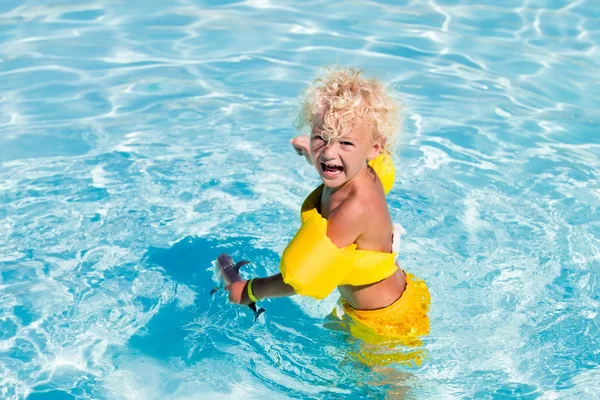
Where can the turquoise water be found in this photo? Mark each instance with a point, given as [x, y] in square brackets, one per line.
[140, 139]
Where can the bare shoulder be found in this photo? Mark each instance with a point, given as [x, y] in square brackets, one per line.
[370, 195]
[352, 209]
[352, 217]
[347, 221]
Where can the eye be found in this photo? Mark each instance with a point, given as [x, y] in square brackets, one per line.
[347, 143]
[318, 137]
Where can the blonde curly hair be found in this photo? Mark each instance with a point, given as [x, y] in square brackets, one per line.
[341, 96]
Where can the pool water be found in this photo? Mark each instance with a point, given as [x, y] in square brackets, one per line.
[141, 139]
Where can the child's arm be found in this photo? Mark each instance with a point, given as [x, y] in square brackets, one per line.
[345, 224]
[272, 286]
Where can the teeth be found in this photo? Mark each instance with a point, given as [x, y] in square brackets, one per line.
[331, 169]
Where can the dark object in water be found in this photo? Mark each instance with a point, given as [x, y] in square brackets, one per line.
[230, 272]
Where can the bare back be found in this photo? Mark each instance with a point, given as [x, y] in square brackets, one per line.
[365, 200]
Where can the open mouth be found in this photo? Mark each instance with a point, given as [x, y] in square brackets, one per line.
[331, 169]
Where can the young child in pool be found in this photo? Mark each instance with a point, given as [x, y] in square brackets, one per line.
[347, 232]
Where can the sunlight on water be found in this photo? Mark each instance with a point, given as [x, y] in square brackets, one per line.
[139, 140]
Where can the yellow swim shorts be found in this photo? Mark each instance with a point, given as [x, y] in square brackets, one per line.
[405, 320]
[386, 333]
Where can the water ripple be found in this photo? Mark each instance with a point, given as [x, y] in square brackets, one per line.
[140, 139]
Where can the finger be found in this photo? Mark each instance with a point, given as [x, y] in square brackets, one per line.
[298, 142]
[298, 150]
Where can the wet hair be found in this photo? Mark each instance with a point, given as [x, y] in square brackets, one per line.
[340, 96]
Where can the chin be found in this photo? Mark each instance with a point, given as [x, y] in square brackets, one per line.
[332, 183]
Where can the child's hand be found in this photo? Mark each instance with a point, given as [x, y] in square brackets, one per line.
[238, 294]
[302, 146]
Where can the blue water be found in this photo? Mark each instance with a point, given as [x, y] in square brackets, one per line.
[140, 139]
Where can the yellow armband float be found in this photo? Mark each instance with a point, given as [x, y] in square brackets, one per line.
[384, 167]
[311, 263]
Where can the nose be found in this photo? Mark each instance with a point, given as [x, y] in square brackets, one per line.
[330, 150]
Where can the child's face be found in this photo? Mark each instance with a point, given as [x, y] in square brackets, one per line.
[343, 158]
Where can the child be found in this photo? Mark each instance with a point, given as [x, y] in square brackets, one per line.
[347, 233]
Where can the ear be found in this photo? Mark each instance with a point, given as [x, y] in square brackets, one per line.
[376, 148]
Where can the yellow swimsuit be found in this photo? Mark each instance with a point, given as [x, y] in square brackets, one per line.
[314, 267]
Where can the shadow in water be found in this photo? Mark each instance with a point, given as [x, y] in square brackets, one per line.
[173, 331]
[51, 395]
